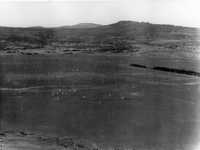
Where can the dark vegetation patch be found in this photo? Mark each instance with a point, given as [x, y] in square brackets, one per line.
[167, 69]
[179, 71]
[138, 65]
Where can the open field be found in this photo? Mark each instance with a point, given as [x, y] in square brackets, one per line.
[124, 86]
[99, 98]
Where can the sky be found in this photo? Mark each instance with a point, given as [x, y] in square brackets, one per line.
[49, 13]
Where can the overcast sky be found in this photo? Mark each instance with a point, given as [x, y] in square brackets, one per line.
[54, 13]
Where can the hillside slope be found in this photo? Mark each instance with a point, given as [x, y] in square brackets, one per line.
[123, 36]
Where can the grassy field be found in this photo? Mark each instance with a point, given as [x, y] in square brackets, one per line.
[98, 98]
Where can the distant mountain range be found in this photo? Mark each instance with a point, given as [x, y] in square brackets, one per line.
[95, 36]
[82, 26]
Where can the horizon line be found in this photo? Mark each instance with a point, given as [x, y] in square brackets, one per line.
[68, 25]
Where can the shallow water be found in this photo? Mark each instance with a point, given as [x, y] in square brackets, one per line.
[100, 98]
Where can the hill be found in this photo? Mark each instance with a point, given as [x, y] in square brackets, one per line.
[85, 25]
[81, 26]
[123, 36]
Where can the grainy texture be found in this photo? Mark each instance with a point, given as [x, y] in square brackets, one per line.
[98, 87]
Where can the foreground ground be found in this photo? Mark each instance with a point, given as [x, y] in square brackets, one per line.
[20, 140]
[99, 98]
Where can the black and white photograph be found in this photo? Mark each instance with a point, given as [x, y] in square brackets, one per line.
[99, 75]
